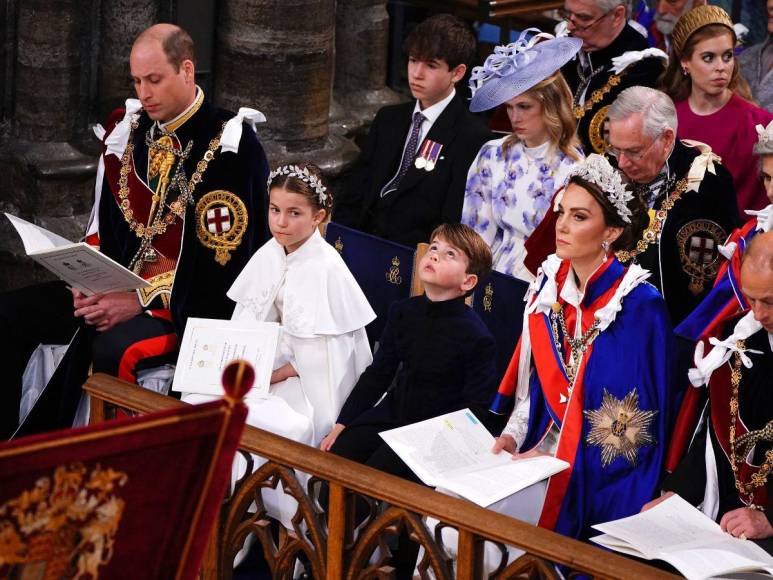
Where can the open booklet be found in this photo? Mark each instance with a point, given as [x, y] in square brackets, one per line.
[453, 451]
[208, 345]
[80, 265]
[684, 537]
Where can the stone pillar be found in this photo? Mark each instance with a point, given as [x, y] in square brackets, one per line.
[362, 30]
[121, 22]
[277, 56]
[45, 178]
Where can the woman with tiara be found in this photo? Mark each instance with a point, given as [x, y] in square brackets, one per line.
[591, 378]
[590, 381]
[512, 181]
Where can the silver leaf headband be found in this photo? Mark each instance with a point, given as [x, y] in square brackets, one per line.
[304, 175]
[597, 170]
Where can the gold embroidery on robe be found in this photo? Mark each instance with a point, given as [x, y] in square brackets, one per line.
[65, 526]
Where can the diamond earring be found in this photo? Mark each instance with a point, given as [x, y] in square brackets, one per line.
[605, 246]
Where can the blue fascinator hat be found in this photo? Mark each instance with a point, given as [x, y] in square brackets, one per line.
[514, 68]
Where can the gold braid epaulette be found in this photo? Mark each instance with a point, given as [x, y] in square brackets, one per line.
[650, 235]
[597, 96]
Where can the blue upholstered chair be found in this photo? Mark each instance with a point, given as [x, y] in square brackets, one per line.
[498, 300]
[383, 269]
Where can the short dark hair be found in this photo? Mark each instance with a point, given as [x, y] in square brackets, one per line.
[468, 242]
[442, 37]
[178, 47]
[633, 231]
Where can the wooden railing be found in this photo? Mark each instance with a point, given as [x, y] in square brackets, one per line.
[330, 546]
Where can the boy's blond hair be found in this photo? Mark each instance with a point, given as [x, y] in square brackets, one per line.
[470, 244]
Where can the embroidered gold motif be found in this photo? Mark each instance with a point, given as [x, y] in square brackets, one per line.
[65, 526]
[393, 276]
[160, 285]
[698, 242]
[597, 130]
[620, 428]
[488, 297]
[221, 220]
[650, 235]
[339, 245]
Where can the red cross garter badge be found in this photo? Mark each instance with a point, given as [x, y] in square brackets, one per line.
[698, 242]
[221, 220]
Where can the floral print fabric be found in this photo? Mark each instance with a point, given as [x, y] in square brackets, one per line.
[508, 194]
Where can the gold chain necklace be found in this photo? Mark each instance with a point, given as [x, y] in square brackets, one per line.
[577, 346]
[159, 223]
[650, 235]
[760, 478]
[597, 96]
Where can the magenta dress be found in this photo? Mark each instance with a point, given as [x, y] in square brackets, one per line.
[730, 133]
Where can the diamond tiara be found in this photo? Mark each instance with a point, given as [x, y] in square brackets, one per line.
[304, 175]
[598, 171]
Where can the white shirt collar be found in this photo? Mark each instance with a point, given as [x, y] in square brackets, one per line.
[570, 292]
[433, 112]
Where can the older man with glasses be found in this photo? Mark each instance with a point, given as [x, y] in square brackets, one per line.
[690, 195]
[600, 71]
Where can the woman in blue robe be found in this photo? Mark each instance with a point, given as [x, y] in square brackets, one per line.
[591, 379]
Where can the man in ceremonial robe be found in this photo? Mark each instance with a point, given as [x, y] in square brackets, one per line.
[727, 470]
[614, 56]
[180, 199]
[689, 193]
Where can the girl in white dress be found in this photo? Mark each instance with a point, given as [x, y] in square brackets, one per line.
[300, 281]
[511, 183]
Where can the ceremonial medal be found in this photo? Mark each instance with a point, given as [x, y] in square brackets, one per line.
[428, 155]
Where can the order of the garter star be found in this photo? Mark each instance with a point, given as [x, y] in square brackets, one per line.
[620, 427]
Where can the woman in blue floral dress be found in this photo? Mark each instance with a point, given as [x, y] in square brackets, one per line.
[511, 183]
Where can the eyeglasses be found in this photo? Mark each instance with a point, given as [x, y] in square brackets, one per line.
[581, 22]
[631, 154]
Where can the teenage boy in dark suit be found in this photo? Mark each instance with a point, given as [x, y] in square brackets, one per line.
[411, 173]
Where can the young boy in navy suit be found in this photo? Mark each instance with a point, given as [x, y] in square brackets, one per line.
[435, 356]
[411, 173]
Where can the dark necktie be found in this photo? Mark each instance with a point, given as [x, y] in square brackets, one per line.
[408, 154]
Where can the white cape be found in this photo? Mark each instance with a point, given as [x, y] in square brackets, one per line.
[323, 318]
